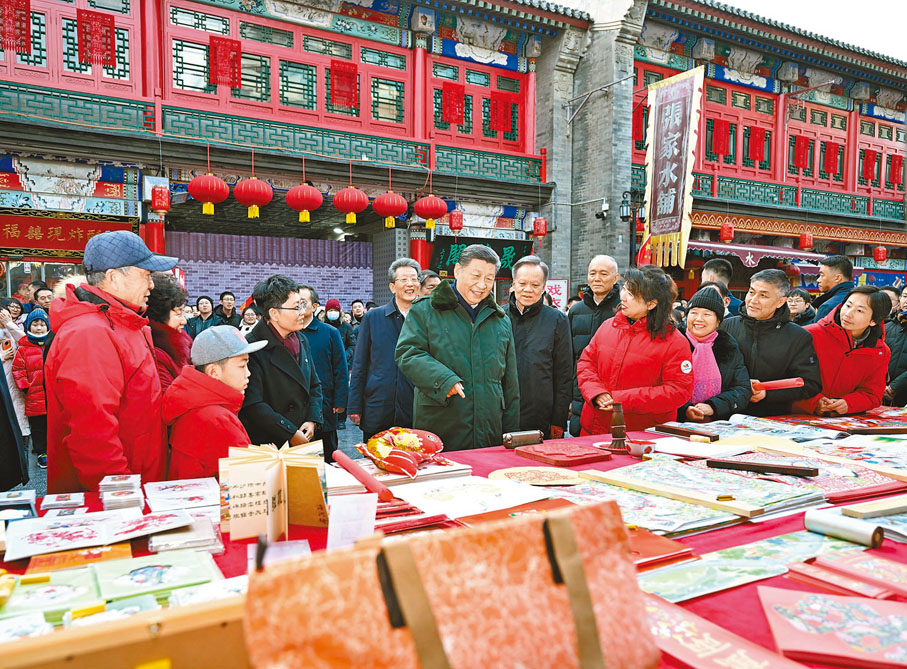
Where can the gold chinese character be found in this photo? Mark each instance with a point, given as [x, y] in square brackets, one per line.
[91, 232]
[11, 230]
[34, 232]
[704, 645]
[75, 233]
[55, 233]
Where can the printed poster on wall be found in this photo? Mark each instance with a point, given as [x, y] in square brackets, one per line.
[674, 109]
[559, 290]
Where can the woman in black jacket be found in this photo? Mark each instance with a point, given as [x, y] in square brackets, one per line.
[896, 339]
[721, 384]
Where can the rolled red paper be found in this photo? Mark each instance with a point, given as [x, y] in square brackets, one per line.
[780, 384]
[370, 482]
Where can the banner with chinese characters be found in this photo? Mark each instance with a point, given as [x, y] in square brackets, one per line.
[559, 290]
[447, 250]
[674, 109]
[43, 234]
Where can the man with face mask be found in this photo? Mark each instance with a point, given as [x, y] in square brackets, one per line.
[334, 316]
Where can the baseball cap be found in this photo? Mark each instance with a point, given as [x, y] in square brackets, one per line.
[122, 248]
[220, 342]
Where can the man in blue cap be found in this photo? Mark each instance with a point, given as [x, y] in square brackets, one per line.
[103, 392]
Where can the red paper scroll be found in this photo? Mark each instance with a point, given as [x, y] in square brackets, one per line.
[801, 152]
[97, 38]
[721, 136]
[869, 164]
[501, 118]
[15, 25]
[639, 132]
[344, 88]
[225, 62]
[757, 144]
[831, 158]
[896, 174]
[452, 96]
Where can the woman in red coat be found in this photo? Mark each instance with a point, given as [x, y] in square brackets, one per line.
[167, 320]
[853, 356]
[637, 358]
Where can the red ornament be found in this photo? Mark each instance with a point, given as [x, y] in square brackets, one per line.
[430, 207]
[869, 164]
[757, 144]
[727, 233]
[160, 200]
[455, 221]
[390, 206]
[253, 193]
[351, 201]
[96, 38]
[224, 62]
[721, 135]
[540, 227]
[304, 198]
[880, 254]
[209, 190]
[15, 26]
[896, 171]
[806, 241]
[801, 152]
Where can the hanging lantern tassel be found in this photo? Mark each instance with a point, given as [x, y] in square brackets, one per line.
[209, 190]
[430, 208]
[304, 199]
[351, 201]
[390, 206]
[253, 193]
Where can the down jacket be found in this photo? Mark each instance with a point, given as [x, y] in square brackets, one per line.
[735, 380]
[28, 371]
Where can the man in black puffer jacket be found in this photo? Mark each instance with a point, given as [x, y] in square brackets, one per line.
[896, 339]
[600, 302]
[773, 347]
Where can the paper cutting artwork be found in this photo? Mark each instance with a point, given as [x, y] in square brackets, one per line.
[681, 582]
[154, 573]
[467, 495]
[787, 548]
[537, 475]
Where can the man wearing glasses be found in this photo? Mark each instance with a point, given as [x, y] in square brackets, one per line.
[283, 399]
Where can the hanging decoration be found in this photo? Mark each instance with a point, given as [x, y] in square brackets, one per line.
[880, 254]
[801, 152]
[209, 189]
[304, 198]
[350, 200]
[721, 137]
[390, 205]
[896, 172]
[15, 26]
[160, 200]
[452, 102]
[757, 144]
[253, 192]
[501, 112]
[830, 164]
[344, 84]
[97, 38]
[540, 227]
[869, 164]
[224, 62]
[727, 233]
[639, 122]
[430, 207]
[806, 241]
[455, 222]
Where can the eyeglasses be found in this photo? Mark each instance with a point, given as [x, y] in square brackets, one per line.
[303, 304]
[405, 280]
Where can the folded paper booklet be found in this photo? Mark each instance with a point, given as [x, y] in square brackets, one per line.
[835, 582]
[265, 489]
[182, 494]
[829, 629]
[62, 591]
[154, 574]
[79, 557]
[870, 568]
[63, 500]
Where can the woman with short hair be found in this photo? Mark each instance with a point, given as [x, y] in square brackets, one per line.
[167, 318]
[637, 358]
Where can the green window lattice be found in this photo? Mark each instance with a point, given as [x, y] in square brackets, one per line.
[731, 157]
[888, 171]
[900, 134]
[121, 6]
[763, 164]
[885, 131]
[121, 70]
[382, 58]
[798, 113]
[478, 78]
[868, 128]
[838, 122]
[486, 122]
[38, 55]
[464, 128]
[339, 109]
[650, 78]
[715, 94]
[190, 67]
[71, 48]
[387, 100]
[878, 165]
[298, 83]
[327, 47]
[791, 169]
[266, 35]
[817, 117]
[740, 100]
[508, 84]
[188, 18]
[765, 105]
[640, 144]
[839, 176]
[256, 79]
[443, 71]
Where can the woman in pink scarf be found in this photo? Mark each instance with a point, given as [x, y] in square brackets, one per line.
[721, 384]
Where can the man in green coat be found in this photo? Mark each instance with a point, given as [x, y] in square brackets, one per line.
[457, 349]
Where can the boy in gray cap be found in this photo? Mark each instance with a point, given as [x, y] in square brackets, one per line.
[202, 403]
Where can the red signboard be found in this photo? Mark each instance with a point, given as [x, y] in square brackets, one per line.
[57, 237]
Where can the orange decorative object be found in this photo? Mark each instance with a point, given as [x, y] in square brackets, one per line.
[401, 450]
[209, 190]
[253, 193]
[304, 199]
[540, 227]
[806, 241]
[727, 233]
[430, 207]
[160, 200]
[880, 254]
[351, 201]
[390, 206]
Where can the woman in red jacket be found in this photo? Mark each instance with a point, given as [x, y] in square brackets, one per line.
[167, 320]
[853, 356]
[28, 372]
[637, 358]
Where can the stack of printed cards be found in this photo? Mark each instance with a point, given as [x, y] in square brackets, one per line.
[120, 482]
[200, 535]
[66, 500]
[183, 494]
[122, 499]
[17, 504]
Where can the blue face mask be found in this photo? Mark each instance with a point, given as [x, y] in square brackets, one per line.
[333, 315]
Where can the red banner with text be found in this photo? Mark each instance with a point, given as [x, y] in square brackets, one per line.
[52, 236]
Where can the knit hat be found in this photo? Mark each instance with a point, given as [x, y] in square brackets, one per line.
[36, 314]
[708, 298]
[333, 304]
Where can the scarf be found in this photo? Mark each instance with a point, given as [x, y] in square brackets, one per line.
[174, 343]
[706, 375]
[290, 342]
[901, 317]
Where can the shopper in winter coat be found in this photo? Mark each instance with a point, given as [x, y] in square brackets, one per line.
[10, 334]
[835, 281]
[28, 372]
[896, 340]
[852, 354]
[541, 336]
[206, 317]
[103, 391]
[721, 384]
[167, 320]
[636, 358]
[381, 396]
[773, 348]
[457, 349]
[13, 457]
[202, 404]
[14, 307]
[333, 316]
[226, 310]
[600, 302]
[801, 311]
[250, 318]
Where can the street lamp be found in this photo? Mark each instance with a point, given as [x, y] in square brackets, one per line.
[633, 208]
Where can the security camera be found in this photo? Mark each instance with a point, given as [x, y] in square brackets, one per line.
[600, 215]
[603, 212]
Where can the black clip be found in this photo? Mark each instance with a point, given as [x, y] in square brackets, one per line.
[260, 549]
[549, 548]
[394, 612]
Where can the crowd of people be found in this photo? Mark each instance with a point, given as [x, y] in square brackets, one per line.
[120, 375]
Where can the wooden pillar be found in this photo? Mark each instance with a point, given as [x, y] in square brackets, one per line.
[422, 97]
[779, 149]
[529, 115]
[420, 251]
[852, 150]
[154, 236]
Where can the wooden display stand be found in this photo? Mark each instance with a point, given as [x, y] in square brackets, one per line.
[185, 637]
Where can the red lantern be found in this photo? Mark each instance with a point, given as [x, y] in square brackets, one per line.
[727, 233]
[430, 207]
[304, 198]
[351, 201]
[806, 241]
[880, 254]
[253, 193]
[390, 206]
[209, 190]
[540, 227]
[455, 221]
[160, 200]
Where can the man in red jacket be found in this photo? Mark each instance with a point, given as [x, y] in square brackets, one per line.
[103, 391]
[203, 403]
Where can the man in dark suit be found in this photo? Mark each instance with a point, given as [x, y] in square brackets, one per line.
[283, 400]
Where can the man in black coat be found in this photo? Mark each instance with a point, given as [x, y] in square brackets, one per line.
[283, 399]
[835, 281]
[226, 310]
[896, 339]
[600, 302]
[380, 395]
[541, 337]
[773, 347]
